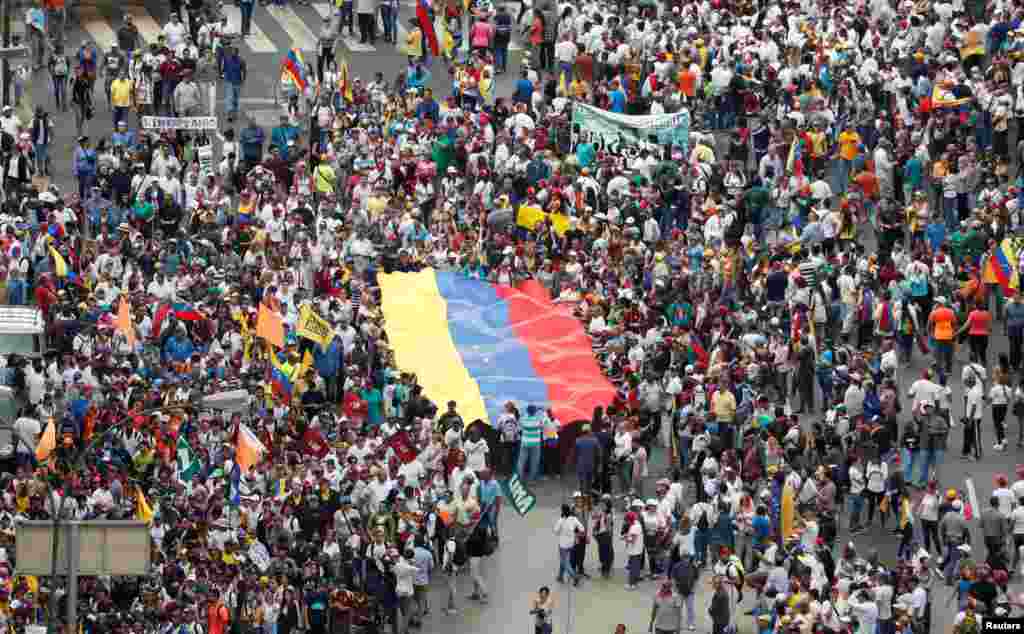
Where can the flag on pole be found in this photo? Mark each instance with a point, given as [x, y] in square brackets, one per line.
[295, 67]
[270, 326]
[60, 266]
[345, 81]
[563, 88]
[124, 322]
[47, 442]
[248, 450]
[189, 464]
[143, 511]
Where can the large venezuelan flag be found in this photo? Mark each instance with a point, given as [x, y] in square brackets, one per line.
[482, 345]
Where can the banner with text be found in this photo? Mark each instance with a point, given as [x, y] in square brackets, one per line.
[612, 131]
[516, 492]
[179, 123]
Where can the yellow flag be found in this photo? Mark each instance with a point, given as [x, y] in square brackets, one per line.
[563, 90]
[47, 443]
[345, 81]
[143, 511]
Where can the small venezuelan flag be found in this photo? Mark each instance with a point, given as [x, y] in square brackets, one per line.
[295, 67]
[60, 266]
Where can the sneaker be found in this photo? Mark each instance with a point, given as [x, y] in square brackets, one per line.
[630, 586]
[450, 611]
[692, 628]
[474, 597]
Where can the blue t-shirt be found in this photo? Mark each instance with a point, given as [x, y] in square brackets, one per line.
[762, 527]
[524, 91]
[618, 99]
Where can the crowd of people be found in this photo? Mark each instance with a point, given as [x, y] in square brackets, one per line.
[842, 206]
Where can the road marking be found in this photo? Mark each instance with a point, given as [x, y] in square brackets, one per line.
[356, 46]
[325, 9]
[302, 38]
[257, 40]
[96, 26]
[147, 26]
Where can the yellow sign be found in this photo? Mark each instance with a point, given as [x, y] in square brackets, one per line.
[314, 327]
[528, 217]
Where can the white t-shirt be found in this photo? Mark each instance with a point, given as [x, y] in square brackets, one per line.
[566, 529]
[1017, 519]
[1006, 501]
[636, 534]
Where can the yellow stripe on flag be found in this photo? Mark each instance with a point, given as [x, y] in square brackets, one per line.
[417, 327]
[47, 442]
[60, 266]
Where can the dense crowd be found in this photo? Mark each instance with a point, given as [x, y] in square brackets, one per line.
[841, 205]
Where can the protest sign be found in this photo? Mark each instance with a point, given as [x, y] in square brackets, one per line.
[179, 123]
[516, 492]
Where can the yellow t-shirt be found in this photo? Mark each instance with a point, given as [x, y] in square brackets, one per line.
[121, 93]
[325, 178]
[848, 142]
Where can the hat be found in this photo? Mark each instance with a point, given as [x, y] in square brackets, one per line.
[941, 299]
[651, 502]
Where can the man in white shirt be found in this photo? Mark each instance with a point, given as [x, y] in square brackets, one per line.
[567, 529]
[863, 605]
[857, 483]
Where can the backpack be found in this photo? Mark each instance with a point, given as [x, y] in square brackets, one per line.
[684, 575]
[702, 523]
[60, 65]
[459, 557]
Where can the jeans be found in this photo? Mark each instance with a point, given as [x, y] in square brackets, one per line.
[909, 458]
[856, 506]
[944, 355]
[232, 93]
[42, 156]
[85, 181]
[691, 613]
[843, 169]
[119, 114]
[635, 562]
[60, 90]
[931, 458]
[565, 564]
[501, 57]
[529, 457]
[389, 18]
[245, 8]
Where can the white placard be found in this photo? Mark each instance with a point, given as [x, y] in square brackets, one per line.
[179, 123]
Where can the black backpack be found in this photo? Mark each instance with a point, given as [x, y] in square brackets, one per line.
[702, 523]
[459, 558]
[684, 575]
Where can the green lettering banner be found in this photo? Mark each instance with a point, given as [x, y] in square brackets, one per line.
[612, 130]
[518, 495]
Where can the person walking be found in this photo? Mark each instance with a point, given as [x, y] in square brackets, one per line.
[122, 96]
[246, 8]
[85, 166]
[477, 550]
[325, 49]
[667, 610]
[568, 529]
[81, 99]
[42, 135]
[530, 437]
[602, 520]
[366, 12]
[719, 608]
[234, 72]
[942, 322]
[481, 36]
[974, 408]
[1015, 330]
[542, 608]
[502, 38]
[1000, 396]
[60, 70]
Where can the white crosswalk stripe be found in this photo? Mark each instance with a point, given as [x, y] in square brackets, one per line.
[96, 26]
[257, 41]
[353, 44]
[147, 26]
[302, 37]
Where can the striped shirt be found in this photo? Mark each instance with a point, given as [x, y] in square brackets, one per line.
[532, 430]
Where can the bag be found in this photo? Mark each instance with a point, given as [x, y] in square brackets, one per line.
[702, 523]
[60, 66]
[459, 557]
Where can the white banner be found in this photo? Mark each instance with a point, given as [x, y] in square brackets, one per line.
[179, 123]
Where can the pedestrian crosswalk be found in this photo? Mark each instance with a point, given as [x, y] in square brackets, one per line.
[274, 29]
